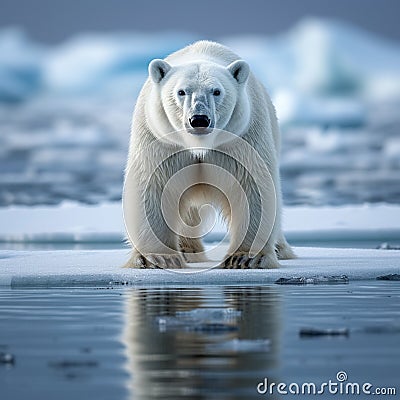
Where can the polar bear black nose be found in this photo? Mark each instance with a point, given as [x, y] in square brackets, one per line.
[199, 121]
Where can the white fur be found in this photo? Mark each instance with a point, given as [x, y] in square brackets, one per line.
[208, 79]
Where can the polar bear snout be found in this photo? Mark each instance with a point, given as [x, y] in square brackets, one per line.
[199, 121]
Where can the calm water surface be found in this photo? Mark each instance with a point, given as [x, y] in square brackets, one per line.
[212, 342]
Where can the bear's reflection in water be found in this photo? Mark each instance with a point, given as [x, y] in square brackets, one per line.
[201, 343]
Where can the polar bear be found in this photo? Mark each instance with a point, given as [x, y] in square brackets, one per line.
[202, 112]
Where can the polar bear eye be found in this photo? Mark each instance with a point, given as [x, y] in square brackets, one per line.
[181, 93]
[216, 92]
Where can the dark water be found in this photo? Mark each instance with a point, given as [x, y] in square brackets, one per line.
[213, 342]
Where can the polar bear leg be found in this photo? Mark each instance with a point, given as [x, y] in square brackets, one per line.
[283, 249]
[257, 249]
[192, 248]
[155, 244]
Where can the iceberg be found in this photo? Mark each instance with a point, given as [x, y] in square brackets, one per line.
[318, 57]
[322, 57]
[93, 63]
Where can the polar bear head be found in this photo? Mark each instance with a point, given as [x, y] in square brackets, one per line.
[198, 97]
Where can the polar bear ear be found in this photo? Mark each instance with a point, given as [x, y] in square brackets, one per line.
[240, 70]
[158, 69]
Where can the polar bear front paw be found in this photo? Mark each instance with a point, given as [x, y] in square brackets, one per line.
[156, 261]
[242, 260]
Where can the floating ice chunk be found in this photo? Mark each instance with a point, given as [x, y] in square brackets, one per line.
[387, 246]
[205, 320]
[65, 364]
[213, 328]
[324, 332]
[390, 277]
[314, 280]
[240, 346]
[170, 323]
[210, 314]
[7, 358]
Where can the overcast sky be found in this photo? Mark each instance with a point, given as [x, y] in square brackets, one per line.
[55, 20]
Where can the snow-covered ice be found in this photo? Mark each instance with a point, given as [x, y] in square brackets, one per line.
[240, 346]
[102, 224]
[104, 268]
